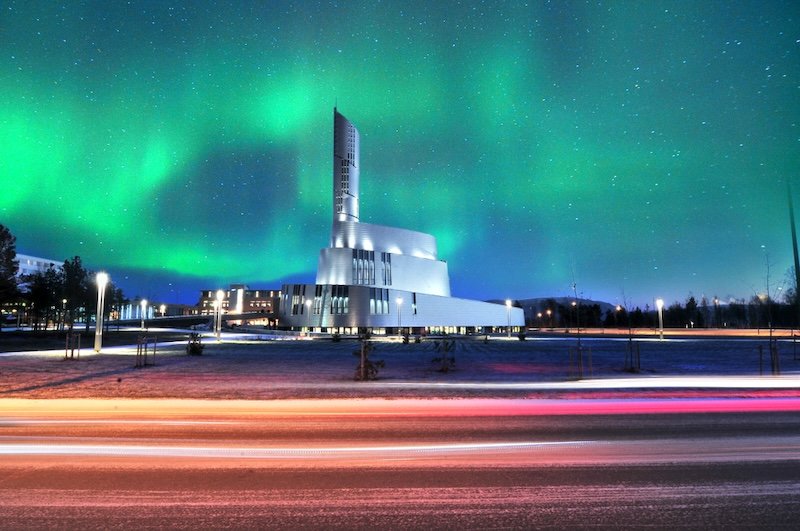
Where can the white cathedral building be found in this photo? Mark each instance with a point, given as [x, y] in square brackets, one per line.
[377, 277]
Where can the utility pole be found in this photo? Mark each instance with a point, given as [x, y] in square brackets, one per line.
[794, 248]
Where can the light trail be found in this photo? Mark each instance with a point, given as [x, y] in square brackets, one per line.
[655, 382]
[266, 453]
[170, 410]
[115, 422]
[575, 452]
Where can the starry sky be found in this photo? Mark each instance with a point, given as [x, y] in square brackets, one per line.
[637, 149]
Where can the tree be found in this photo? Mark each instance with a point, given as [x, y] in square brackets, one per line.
[693, 317]
[76, 288]
[44, 292]
[9, 267]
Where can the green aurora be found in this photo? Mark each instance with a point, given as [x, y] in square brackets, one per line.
[639, 149]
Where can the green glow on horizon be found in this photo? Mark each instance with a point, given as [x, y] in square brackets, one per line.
[637, 146]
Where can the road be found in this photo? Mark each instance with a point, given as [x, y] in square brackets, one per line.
[411, 464]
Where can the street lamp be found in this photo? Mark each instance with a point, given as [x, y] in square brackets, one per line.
[660, 306]
[575, 309]
[63, 314]
[508, 317]
[220, 296]
[399, 308]
[102, 280]
[308, 311]
[143, 304]
[550, 318]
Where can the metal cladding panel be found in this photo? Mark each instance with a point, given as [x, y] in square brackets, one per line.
[335, 266]
[449, 311]
[409, 273]
[431, 310]
[419, 275]
[382, 238]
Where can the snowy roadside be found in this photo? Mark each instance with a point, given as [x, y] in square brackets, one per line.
[256, 369]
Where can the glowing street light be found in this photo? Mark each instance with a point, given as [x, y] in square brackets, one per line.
[308, 311]
[399, 308]
[102, 280]
[660, 306]
[143, 304]
[162, 310]
[220, 296]
[508, 317]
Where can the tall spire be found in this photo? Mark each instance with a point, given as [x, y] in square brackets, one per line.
[345, 169]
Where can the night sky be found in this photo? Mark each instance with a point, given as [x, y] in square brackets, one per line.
[639, 149]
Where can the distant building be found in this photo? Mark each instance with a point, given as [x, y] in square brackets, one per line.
[239, 299]
[377, 277]
[29, 265]
[15, 311]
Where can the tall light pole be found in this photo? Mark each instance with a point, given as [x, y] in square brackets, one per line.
[508, 317]
[102, 281]
[399, 308]
[143, 305]
[215, 306]
[660, 306]
[308, 311]
[220, 296]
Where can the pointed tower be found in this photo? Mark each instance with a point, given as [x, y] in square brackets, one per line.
[345, 169]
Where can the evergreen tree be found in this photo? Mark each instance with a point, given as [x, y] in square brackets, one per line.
[9, 266]
[44, 292]
[76, 288]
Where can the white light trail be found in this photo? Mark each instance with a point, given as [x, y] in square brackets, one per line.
[654, 382]
[276, 453]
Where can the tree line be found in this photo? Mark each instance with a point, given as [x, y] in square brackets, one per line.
[759, 311]
[58, 296]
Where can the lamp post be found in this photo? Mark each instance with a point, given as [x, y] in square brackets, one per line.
[220, 296]
[102, 279]
[308, 311]
[660, 306]
[550, 318]
[143, 305]
[575, 310]
[399, 308]
[215, 306]
[508, 317]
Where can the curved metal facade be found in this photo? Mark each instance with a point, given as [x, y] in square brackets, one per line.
[382, 238]
[406, 273]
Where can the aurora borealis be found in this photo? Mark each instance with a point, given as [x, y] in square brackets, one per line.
[639, 149]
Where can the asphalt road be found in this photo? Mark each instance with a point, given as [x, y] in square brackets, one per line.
[400, 464]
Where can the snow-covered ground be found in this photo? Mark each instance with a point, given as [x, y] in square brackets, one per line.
[241, 368]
